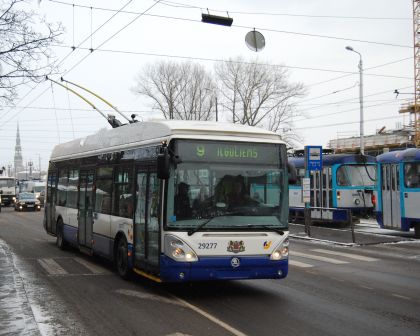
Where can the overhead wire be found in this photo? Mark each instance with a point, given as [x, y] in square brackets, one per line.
[188, 6]
[345, 123]
[248, 27]
[347, 73]
[366, 69]
[338, 112]
[104, 42]
[236, 62]
[55, 112]
[63, 59]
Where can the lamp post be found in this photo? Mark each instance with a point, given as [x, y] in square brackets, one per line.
[362, 143]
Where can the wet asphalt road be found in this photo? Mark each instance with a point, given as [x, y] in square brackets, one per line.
[330, 290]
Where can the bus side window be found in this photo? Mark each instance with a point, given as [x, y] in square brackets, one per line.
[72, 188]
[103, 190]
[122, 192]
[62, 187]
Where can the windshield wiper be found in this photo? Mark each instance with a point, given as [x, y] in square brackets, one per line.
[199, 227]
[266, 227]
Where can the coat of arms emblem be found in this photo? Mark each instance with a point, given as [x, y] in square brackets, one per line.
[236, 246]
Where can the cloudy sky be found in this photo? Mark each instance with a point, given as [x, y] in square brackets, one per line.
[307, 36]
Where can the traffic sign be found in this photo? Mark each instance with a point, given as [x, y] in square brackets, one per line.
[313, 158]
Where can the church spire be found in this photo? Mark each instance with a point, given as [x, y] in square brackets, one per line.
[18, 153]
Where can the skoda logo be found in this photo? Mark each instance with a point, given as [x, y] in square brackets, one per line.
[235, 262]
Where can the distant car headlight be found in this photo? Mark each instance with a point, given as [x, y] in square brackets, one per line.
[281, 251]
[37, 202]
[178, 250]
[14, 199]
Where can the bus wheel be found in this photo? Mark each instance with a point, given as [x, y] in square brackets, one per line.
[121, 258]
[60, 242]
[417, 230]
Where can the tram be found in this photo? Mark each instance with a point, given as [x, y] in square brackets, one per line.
[348, 181]
[398, 205]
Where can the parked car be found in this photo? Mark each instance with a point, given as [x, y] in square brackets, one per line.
[41, 197]
[27, 201]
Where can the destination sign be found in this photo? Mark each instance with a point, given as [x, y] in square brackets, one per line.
[230, 152]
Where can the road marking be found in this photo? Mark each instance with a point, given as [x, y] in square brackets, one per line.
[366, 287]
[91, 266]
[347, 255]
[147, 296]
[315, 257]
[212, 318]
[401, 296]
[51, 266]
[299, 264]
[177, 301]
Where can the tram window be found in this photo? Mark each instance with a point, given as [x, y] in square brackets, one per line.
[392, 171]
[63, 180]
[412, 175]
[384, 178]
[103, 190]
[397, 177]
[341, 177]
[324, 177]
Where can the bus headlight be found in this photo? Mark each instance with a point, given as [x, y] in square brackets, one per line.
[281, 251]
[178, 250]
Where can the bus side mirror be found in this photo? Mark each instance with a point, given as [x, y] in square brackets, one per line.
[163, 163]
[291, 170]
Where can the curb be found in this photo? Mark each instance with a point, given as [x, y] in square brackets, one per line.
[16, 315]
[331, 242]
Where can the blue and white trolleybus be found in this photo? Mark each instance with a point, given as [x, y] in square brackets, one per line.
[174, 200]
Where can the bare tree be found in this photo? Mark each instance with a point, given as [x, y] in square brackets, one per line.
[24, 52]
[259, 94]
[179, 90]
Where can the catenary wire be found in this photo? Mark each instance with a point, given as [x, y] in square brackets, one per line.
[249, 27]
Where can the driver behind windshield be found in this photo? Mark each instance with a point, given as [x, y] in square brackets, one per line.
[182, 202]
[238, 196]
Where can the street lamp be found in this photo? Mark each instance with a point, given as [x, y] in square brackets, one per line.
[362, 143]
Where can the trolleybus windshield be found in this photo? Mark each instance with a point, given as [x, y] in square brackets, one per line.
[228, 187]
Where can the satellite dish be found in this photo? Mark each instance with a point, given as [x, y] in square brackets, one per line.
[255, 40]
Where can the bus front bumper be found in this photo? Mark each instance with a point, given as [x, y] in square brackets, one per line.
[220, 268]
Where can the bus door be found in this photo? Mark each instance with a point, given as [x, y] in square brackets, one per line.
[391, 196]
[146, 220]
[52, 201]
[85, 207]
